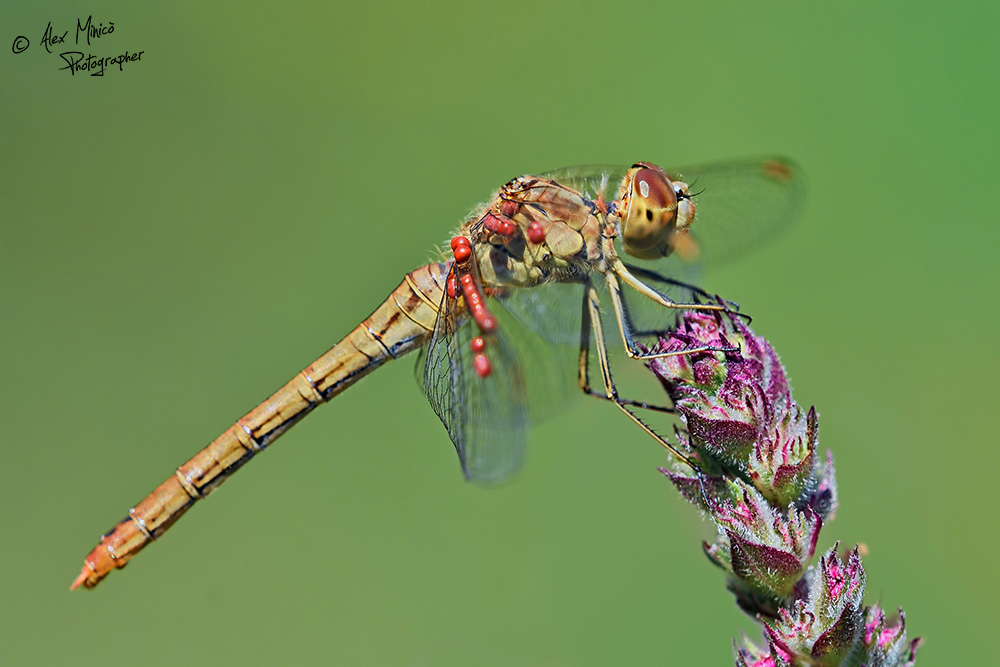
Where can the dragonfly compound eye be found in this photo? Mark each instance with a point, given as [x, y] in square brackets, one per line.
[650, 213]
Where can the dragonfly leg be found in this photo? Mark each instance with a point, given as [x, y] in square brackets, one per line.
[592, 312]
[650, 275]
[583, 373]
[625, 329]
[622, 271]
[628, 274]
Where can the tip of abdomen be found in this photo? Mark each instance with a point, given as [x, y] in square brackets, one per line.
[87, 578]
[80, 578]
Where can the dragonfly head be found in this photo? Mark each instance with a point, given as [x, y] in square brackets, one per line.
[657, 211]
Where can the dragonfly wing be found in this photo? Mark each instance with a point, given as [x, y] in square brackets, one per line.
[741, 205]
[552, 310]
[592, 181]
[486, 417]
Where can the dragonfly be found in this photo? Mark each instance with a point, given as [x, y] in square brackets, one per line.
[566, 256]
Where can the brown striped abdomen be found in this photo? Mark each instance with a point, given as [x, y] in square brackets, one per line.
[402, 323]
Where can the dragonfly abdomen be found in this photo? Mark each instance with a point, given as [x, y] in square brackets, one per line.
[401, 324]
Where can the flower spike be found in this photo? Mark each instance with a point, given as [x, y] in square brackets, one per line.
[769, 493]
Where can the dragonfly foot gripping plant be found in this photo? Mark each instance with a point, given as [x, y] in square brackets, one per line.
[768, 493]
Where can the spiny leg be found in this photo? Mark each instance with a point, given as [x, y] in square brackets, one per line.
[583, 373]
[625, 329]
[593, 312]
[622, 271]
[650, 274]
[731, 307]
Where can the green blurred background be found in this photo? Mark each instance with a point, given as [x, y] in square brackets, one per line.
[181, 237]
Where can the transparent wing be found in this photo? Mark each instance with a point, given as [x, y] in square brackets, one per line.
[552, 310]
[739, 204]
[487, 418]
[592, 181]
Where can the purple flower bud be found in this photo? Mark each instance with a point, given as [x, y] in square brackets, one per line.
[738, 407]
[821, 494]
[749, 655]
[885, 641]
[752, 466]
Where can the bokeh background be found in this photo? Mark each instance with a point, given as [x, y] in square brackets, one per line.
[181, 237]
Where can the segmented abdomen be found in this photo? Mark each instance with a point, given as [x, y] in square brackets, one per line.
[402, 323]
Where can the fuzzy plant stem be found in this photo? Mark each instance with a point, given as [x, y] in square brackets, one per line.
[752, 467]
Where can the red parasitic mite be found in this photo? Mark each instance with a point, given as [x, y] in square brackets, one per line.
[535, 233]
[499, 225]
[482, 365]
[462, 253]
[472, 294]
[477, 305]
[452, 287]
[477, 344]
[460, 241]
[508, 208]
[487, 323]
[469, 285]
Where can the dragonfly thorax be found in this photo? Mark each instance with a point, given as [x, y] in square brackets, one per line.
[536, 231]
